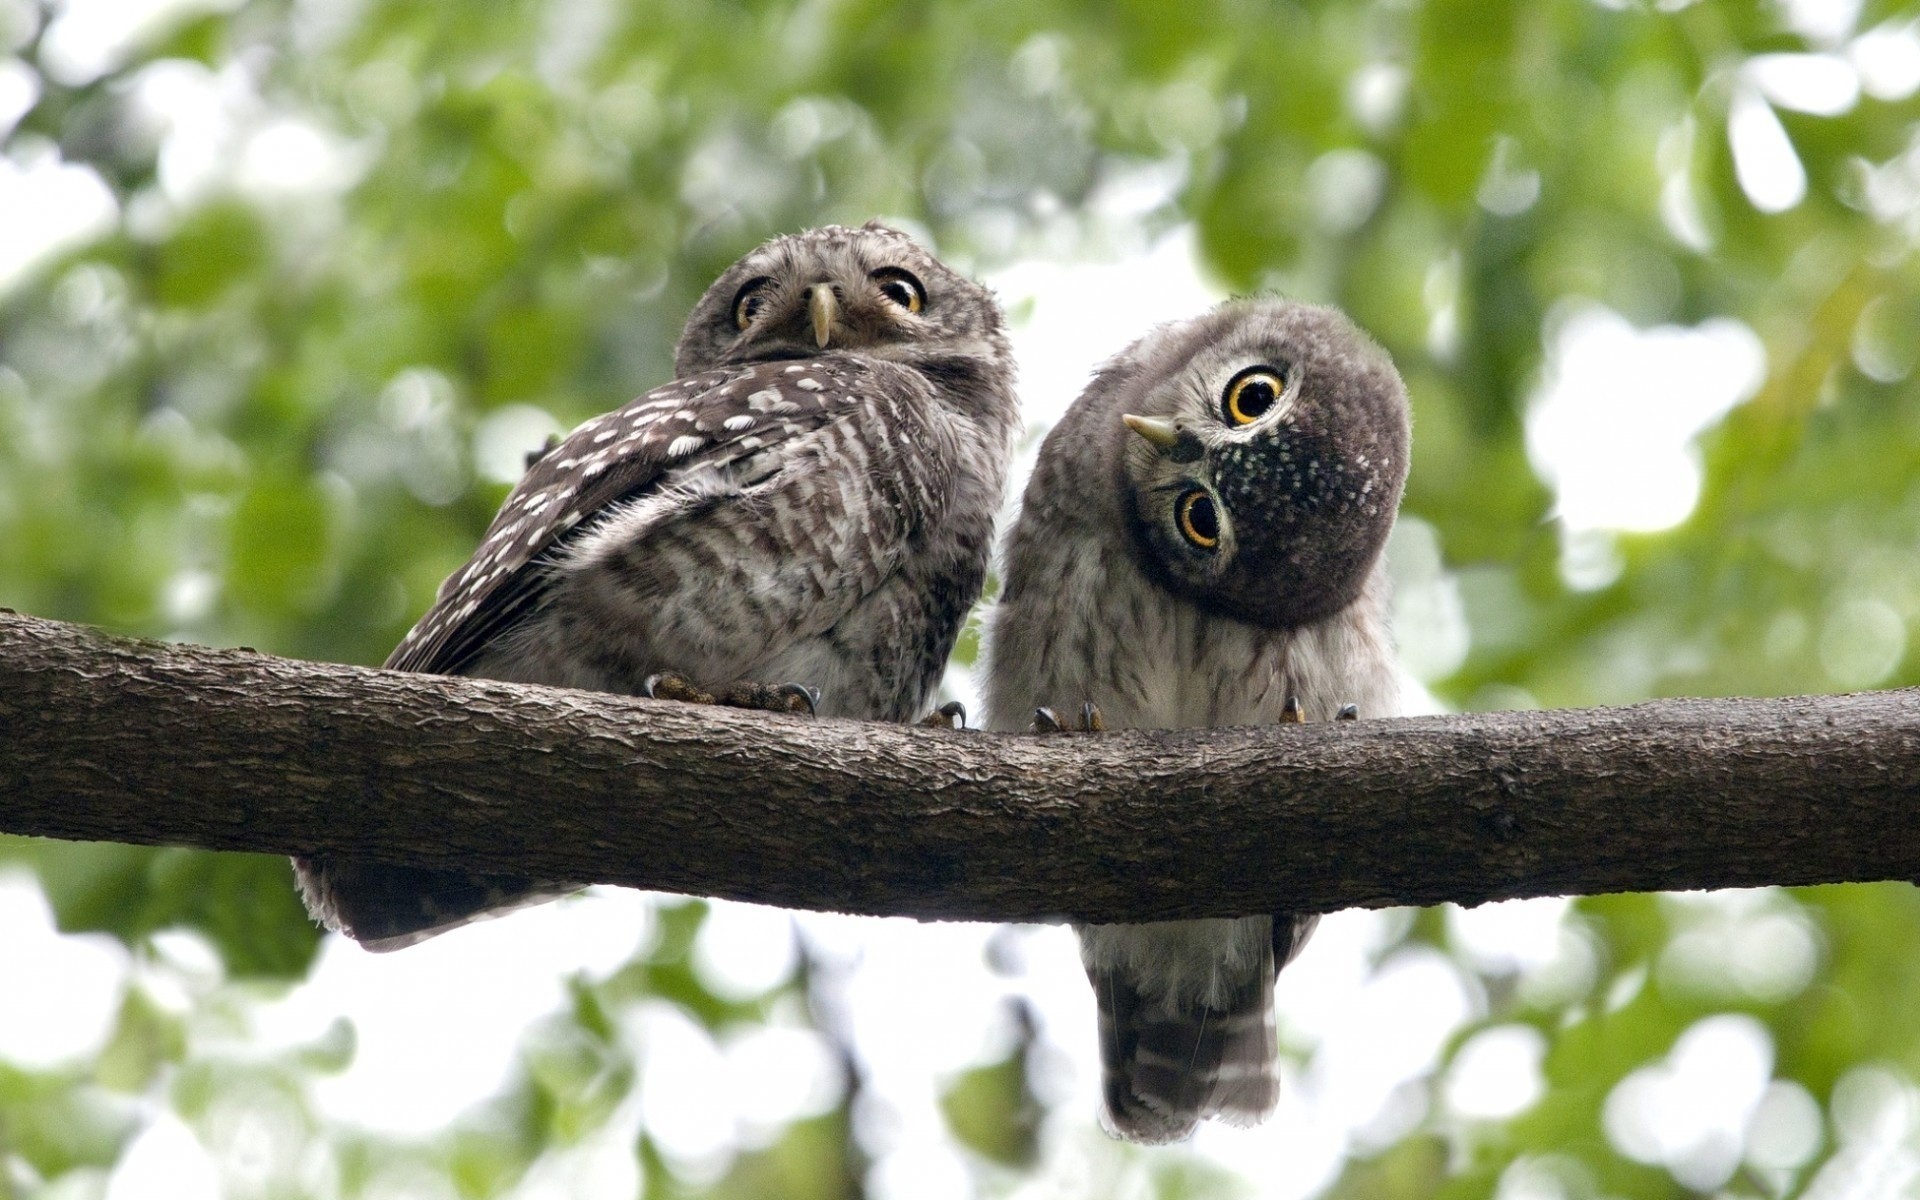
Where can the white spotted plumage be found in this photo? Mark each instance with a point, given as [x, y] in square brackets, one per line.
[811, 502]
[1106, 601]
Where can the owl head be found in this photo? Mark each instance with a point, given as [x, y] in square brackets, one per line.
[871, 290]
[1264, 449]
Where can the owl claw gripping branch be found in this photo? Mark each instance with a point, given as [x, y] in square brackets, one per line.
[1088, 720]
[812, 498]
[767, 697]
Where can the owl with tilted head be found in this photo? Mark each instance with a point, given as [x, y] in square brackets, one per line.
[798, 522]
[1200, 545]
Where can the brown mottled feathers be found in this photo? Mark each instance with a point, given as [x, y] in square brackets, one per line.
[809, 504]
[716, 417]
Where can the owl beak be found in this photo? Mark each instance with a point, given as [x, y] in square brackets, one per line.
[1158, 430]
[824, 309]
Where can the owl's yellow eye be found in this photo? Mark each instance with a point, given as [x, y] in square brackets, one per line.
[900, 287]
[748, 301]
[1252, 394]
[1199, 519]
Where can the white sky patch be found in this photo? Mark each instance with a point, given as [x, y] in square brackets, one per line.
[1540, 941]
[62, 991]
[1613, 423]
[87, 38]
[1888, 59]
[918, 1002]
[164, 1162]
[438, 1024]
[1764, 160]
[685, 1100]
[744, 951]
[1496, 1075]
[19, 92]
[504, 438]
[1392, 1032]
[1689, 1112]
[1377, 96]
[288, 156]
[1346, 185]
[1078, 315]
[194, 112]
[777, 1074]
[1429, 618]
[1509, 187]
[1739, 945]
[1508, 935]
[1825, 85]
[1787, 1128]
[50, 205]
[1822, 22]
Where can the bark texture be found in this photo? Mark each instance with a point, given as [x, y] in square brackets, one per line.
[106, 738]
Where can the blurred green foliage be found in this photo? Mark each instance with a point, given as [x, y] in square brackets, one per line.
[358, 258]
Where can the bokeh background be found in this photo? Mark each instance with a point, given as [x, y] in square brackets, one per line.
[288, 288]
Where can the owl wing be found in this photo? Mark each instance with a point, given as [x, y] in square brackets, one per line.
[604, 466]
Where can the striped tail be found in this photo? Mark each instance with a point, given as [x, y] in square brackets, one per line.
[1186, 1020]
[1167, 1068]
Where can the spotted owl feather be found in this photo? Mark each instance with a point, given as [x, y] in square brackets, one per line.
[1117, 593]
[811, 502]
[724, 423]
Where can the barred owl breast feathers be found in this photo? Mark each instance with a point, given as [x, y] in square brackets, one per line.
[1201, 541]
[812, 500]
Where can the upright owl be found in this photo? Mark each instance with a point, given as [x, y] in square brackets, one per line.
[802, 518]
[1200, 545]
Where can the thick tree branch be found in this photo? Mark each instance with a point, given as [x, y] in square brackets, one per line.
[132, 741]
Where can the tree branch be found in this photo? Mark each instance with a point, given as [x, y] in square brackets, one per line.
[133, 741]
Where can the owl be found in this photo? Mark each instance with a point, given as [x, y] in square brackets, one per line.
[1200, 545]
[800, 520]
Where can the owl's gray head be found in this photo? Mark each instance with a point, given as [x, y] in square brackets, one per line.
[1271, 452]
[871, 290]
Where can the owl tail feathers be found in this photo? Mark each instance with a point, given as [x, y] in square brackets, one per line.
[1164, 1070]
[390, 908]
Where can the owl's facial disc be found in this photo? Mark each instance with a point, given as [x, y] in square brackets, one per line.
[1265, 479]
[870, 291]
[831, 303]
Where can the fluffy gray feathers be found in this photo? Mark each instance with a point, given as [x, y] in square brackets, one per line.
[811, 501]
[1278, 592]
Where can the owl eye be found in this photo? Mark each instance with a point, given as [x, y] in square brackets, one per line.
[901, 288]
[1199, 519]
[1252, 393]
[749, 300]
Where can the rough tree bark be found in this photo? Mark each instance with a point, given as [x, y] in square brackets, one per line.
[133, 741]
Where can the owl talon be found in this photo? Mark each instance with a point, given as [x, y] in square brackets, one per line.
[795, 698]
[799, 698]
[1292, 714]
[951, 715]
[1045, 720]
[1348, 712]
[782, 697]
[672, 685]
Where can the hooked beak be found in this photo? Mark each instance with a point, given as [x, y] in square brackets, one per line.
[1158, 430]
[824, 309]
